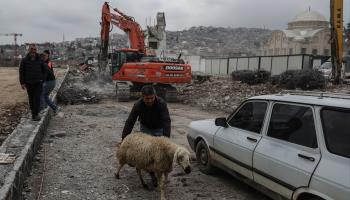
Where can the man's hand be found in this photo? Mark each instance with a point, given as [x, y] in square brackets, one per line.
[23, 86]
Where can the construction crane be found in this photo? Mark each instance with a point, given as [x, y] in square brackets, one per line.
[15, 35]
[337, 27]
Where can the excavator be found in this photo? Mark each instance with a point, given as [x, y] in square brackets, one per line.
[134, 67]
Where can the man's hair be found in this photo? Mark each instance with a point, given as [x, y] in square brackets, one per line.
[31, 46]
[47, 52]
[148, 90]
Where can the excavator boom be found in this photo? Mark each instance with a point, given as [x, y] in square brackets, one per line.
[125, 23]
[337, 38]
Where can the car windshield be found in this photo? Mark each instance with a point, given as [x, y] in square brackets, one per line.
[326, 65]
[336, 128]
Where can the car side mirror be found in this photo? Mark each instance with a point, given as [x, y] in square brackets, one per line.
[221, 121]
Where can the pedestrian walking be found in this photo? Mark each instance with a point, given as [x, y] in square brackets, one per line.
[49, 84]
[32, 73]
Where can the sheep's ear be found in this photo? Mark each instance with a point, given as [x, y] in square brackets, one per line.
[175, 157]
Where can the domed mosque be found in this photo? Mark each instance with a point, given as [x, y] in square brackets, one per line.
[307, 33]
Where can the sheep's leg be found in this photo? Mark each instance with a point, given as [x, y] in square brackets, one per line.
[141, 179]
[161, 183]
[166, 178]
[154, 179]
[118, 170]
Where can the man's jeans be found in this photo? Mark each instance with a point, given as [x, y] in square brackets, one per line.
[153, 132]
[45, 100]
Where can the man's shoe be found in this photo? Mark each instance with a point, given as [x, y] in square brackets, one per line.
[36, 118]
[57, 110]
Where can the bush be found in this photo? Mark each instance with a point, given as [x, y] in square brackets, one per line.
[310, 79]
[251, 77]
[307, 79]
[287, 79]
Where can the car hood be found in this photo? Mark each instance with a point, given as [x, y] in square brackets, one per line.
[207, 126]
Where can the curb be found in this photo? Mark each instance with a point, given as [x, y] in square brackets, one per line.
[24, 142]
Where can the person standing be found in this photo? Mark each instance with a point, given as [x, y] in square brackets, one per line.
[49, 84]
[31, 75]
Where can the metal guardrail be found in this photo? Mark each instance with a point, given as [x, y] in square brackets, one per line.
[320, 95]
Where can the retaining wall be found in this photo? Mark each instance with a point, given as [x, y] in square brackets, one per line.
[24, 142]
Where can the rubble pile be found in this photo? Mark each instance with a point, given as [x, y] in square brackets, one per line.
[225, 94]
[222, 93]
[10, 116]
[85, 87]
[72, 93]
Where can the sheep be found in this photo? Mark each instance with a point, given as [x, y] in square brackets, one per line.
[152, 154]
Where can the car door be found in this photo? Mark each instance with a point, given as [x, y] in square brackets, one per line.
[288, 154]
[234, 145]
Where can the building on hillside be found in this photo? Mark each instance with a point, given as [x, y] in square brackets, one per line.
[307, 33]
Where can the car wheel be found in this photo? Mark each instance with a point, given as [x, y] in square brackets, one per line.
[309, 197]
[203, 158]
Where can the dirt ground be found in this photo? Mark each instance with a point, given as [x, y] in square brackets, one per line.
[78, 155]
[13, 101]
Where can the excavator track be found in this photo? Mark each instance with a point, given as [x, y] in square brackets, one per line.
[167, 92]
[122, 92]
[171, 95]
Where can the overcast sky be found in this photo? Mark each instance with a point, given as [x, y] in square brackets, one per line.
[47, 20]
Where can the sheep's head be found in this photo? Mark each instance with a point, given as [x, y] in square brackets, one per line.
[182, 158]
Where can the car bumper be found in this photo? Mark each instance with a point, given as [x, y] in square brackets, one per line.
[190, 141]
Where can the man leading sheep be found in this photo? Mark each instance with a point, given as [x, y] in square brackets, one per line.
[153, 114]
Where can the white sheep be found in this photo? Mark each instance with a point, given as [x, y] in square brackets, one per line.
[152, 154]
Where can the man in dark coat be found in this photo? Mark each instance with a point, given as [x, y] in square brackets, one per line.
[32, 73]
[152, 112]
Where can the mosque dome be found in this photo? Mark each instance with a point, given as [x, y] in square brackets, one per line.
[310, 16]
[308, 20]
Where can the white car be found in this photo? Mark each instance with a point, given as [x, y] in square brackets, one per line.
[292, 145]
[326, 70]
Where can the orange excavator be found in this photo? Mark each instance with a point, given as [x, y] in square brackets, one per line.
[132, 68]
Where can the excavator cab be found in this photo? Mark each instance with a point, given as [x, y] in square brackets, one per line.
[119, 57]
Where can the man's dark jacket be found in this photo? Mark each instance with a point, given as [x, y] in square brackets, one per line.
[32, 71]
[155, 117]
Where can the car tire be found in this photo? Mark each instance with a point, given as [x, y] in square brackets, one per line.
[203, 158]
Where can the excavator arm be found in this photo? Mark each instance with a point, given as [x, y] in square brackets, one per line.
[104, 35]
[337, 39]
[125, 23]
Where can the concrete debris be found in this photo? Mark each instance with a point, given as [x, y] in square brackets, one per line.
[222, 94]
[86, 87]
[59, 134]
[74, 95]
[7, 158]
